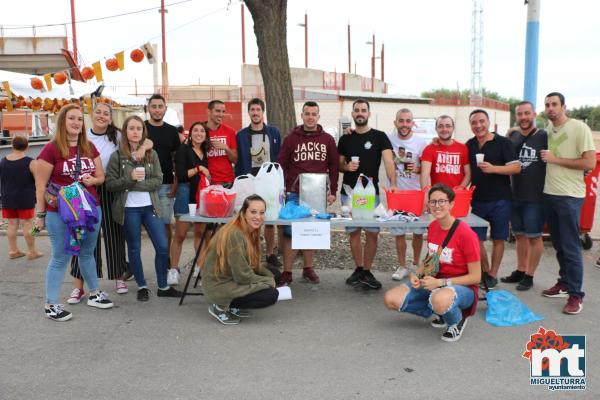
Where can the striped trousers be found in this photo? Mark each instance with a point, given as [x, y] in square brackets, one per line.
[114, 242]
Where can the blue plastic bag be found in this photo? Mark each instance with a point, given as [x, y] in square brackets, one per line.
[293, 210]
[504, 309]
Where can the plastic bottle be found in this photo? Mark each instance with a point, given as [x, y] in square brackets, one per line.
[363, 199]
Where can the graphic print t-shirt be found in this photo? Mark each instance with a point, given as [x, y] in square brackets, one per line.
[407, 151]
[221, 170]
[447, 163]
[64, 169]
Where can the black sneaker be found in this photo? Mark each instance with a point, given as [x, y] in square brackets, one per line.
[354, 279]
[274, 261]
[57, 312]
[223, 316]
[99, 300]
[438, 322]
[490, 280]
[454, 332]
[128, 275]
[143, 294]
[526, 283]
[170, 292]
[369, 281]
[238, 312]
[514, 277]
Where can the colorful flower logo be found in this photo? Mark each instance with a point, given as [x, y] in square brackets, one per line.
[542, 340]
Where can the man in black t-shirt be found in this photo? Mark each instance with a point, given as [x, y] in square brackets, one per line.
[368, 146]
[527, 210]
[491, 198]
[166, 142]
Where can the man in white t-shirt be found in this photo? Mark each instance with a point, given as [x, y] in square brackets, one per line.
[407, 149]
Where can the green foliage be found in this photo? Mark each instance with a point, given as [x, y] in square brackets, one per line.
[588, 114]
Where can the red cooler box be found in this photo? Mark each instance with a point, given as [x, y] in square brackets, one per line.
[589, 204]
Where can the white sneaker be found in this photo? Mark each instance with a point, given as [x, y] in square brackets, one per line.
[173, 277]
[99, 300]
[400, 273]
[75, 297]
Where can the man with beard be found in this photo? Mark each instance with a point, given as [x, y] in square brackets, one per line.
[570, 153]
[369, 146]
[223, 146]
[447, 160]
[408, 149]
[492, 195]
[527, 213]
[256, 144]
[166, 142]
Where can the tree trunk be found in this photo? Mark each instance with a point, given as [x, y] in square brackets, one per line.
[270, 19]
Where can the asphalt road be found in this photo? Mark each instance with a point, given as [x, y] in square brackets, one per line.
[330, 342]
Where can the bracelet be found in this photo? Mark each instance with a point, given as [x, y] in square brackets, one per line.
[41, 214]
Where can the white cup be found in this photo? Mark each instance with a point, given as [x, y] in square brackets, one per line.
[141, 169]
[479, 157]
[192, 209]
[355, 159]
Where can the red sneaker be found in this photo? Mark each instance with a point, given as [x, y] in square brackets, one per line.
[286, 278]
[309, 274]
[574, 305]
[558, 290]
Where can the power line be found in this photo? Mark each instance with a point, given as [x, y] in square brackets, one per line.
[93, 19]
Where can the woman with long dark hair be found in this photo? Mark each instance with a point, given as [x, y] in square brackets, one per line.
[191, 167]
[234, 278]
[70, 157]
[451, 294]
[135, 183]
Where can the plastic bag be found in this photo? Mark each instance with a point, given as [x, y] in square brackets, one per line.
[363, 199]
[216, 202]
[293, 210]
[243, 186]
[504, 309]
[269, 185]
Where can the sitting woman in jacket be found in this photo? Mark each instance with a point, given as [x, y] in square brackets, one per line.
[234, 279]
[135, 184]
[452, 293]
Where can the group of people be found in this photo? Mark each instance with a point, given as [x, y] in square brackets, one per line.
[143, 175]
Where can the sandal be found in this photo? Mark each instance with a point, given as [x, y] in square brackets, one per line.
[32, 255]
[15, 254]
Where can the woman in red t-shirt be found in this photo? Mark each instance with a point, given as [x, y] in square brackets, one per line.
[452, 293]
[67, 157]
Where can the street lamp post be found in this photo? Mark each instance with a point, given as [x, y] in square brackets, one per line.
[305, 25]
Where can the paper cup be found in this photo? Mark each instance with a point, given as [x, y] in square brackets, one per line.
[192, 209]
[479, 157]
[355, 159]
[142, 169]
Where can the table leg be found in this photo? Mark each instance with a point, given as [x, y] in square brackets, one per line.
[211, 227]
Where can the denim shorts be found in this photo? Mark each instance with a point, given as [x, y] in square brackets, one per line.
[497, 213]
[345, 200]
[166, 203]
[418, 302]
[182, 199]
[527, 218]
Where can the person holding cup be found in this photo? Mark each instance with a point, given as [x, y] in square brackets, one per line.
[135, 184]
[191, 167]
[493, 159]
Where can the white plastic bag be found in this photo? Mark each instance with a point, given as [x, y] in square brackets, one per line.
[243, 186]
[269, 185]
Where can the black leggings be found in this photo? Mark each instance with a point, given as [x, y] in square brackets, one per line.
[262, 298]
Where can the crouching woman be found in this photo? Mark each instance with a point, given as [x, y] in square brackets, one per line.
[234, 279]
[452, 293]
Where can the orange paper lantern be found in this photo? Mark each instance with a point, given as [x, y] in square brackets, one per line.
[136, 55]
[37, 83]
[112, 64]
[87, 73]
[60, 78]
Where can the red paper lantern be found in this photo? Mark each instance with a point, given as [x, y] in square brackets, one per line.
[60, 78]
[37, 83]
[137, 55]
[112, 64]
[87, 73]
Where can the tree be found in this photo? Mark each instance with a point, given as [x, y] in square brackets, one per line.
[270, 20]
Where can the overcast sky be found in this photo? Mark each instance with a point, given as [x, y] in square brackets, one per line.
[427, 42]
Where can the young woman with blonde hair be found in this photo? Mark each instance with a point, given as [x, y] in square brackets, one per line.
[234, 279]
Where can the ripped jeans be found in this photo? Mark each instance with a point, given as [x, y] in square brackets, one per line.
[418, 302]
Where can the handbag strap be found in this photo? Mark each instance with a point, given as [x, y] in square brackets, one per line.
[448, 236]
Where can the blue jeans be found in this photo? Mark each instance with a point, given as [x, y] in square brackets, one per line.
[59, 259]
[562, 215]
[418, 302]
[135, 217]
